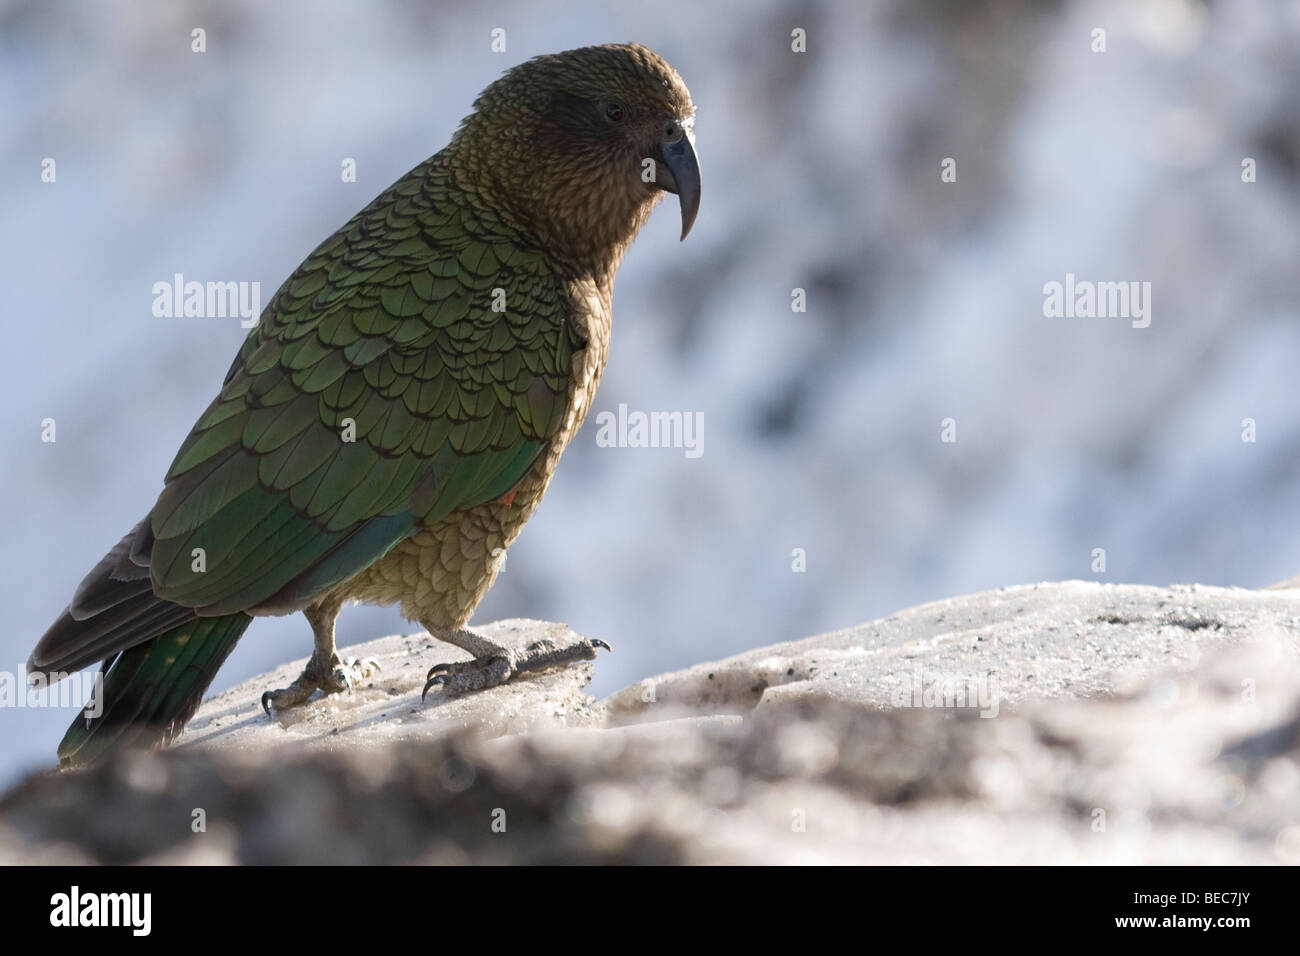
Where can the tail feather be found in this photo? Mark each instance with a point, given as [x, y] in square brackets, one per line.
[71, 644]
[120, 574]
[152, 689]
[159, 657]
[113, 609]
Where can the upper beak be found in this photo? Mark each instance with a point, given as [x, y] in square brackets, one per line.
[680, 171]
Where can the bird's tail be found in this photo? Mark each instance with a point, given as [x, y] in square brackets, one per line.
[150, 690]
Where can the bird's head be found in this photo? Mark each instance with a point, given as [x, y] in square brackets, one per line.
[579, 146]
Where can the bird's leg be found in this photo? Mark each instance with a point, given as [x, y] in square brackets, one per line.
[324, 671]
[495, 664]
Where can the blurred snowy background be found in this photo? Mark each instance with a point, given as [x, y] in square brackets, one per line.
[821, 171]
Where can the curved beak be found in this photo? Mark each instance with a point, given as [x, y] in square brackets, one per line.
[680, 172]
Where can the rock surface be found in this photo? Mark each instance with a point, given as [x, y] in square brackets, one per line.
[1054, 723]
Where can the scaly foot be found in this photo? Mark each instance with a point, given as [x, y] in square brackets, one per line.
[330, 677]
[494, 664]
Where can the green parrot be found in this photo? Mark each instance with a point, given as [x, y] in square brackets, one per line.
[398, 412]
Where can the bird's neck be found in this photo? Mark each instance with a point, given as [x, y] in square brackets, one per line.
[582, 222]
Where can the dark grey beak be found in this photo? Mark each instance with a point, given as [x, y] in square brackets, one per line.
[679, 171]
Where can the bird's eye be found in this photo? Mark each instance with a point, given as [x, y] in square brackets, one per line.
[614, 112]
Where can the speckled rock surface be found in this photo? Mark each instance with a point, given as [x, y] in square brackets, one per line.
[1053, 723]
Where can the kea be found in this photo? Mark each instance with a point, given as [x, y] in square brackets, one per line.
[399, 409]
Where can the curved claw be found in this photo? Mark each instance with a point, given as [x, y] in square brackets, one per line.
[266, 703]
[444, 667]
[432, 681]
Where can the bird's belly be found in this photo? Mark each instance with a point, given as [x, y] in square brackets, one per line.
[440, 573]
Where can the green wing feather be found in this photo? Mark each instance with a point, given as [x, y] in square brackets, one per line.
[386, 335]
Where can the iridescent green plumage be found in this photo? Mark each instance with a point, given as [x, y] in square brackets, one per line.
[380, 368]
[399, 410]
